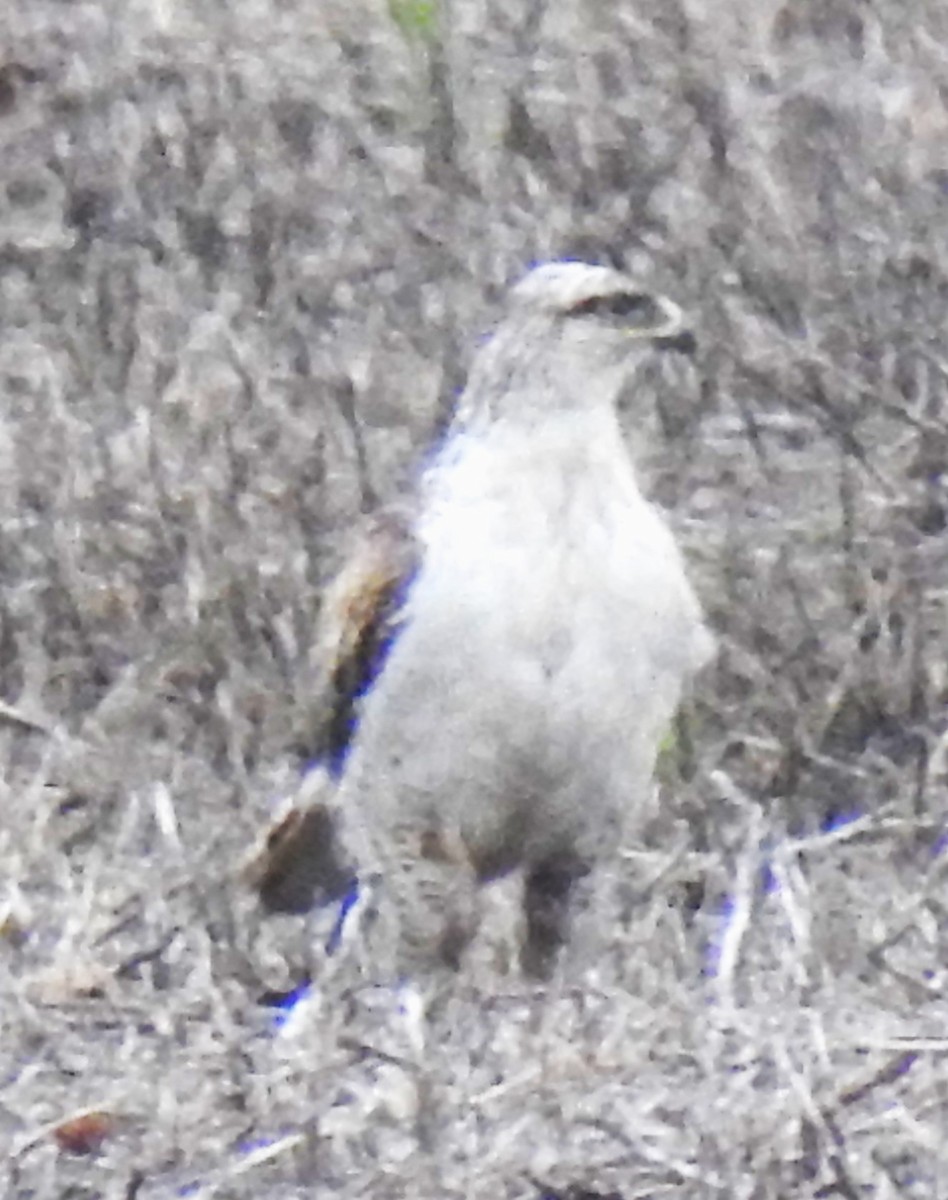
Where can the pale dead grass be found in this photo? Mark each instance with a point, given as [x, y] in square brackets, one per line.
[243, 257]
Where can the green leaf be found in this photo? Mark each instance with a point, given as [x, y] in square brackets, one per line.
[417, 19]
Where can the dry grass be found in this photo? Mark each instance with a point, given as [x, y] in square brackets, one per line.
[243, 256]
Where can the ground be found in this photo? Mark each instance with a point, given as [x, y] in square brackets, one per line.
[245, 254]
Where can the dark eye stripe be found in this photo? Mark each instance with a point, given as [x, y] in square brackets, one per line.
[626, 305]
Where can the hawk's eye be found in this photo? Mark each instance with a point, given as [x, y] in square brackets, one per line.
[636, 307]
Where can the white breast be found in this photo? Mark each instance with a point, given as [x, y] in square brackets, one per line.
[547, 637]
[542, 547]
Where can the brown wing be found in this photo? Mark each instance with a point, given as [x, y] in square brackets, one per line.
[301, 861]
[359, 622]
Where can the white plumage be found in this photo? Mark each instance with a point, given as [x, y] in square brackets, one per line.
[543, 642]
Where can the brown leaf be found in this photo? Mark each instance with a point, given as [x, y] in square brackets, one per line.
[85, 1133]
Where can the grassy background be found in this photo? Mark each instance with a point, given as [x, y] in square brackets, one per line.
[245, 252]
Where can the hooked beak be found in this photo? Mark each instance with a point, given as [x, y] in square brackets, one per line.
[673, 334]
[684, 342]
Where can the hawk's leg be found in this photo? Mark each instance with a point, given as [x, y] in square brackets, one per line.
[433, 891]
[546, 898]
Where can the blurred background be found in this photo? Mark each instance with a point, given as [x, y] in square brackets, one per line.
[246, 251]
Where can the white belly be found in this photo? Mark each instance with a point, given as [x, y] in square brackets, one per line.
[560, 566]
[547, 638]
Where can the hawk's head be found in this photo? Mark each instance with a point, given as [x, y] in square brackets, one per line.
[571, 335]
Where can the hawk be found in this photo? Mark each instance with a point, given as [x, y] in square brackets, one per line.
[504, 661]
